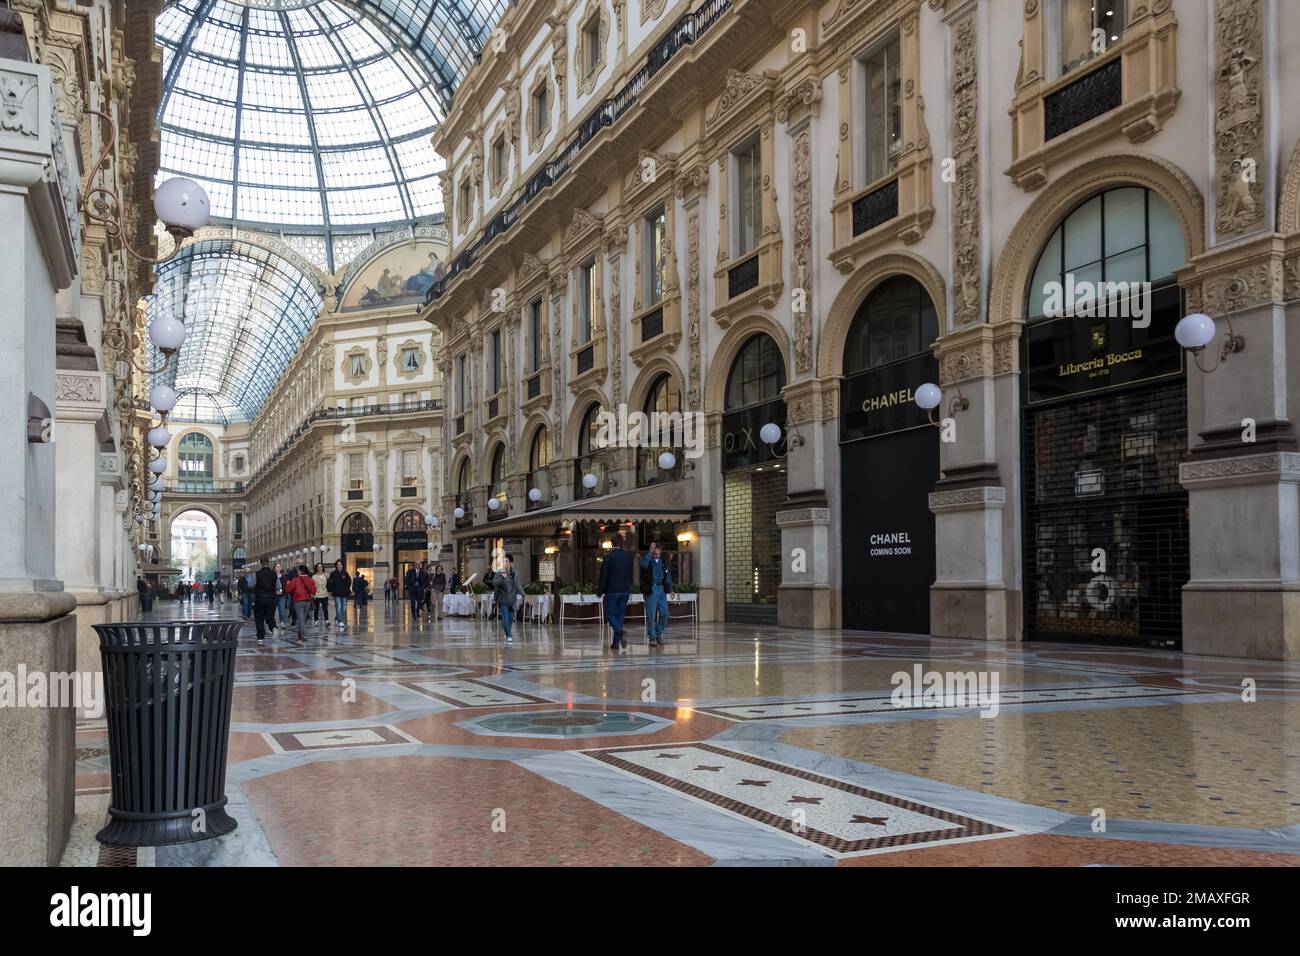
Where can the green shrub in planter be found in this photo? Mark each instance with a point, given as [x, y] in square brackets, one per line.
[686, 588]
[532, 587]
[478, 587]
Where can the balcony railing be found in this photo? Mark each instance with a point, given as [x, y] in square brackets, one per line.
[204, 486]
[1085, 99]
[686, 31]
[652, 325]
[876, 207]
[741, 278]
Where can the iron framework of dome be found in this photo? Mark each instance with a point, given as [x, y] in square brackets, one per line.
[311, 118]
[246, 310]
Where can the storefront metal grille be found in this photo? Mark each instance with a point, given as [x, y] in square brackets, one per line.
[751, 499]
[1102, 473]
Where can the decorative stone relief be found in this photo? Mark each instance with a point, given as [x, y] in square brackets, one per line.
[77, 388]
[19, 104]
[735, 88]
[966, 284]
[1239, 116]
[694, 377]
[651, 9]
[802, 247]
[807, 93]
[615, 241]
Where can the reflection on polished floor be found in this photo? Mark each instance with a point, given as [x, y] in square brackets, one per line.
[732, 745]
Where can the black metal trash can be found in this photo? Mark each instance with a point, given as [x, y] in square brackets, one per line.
[168, 687]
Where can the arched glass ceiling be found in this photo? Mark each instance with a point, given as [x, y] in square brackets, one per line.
[310, 116]
[246, 310]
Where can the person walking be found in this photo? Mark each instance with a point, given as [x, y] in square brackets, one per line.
[417, 582]
[656, 585]
[340, 587]
[615, 587]
[281, 599]
[266, 595]
[505, 592]
[320, 608]
[437, 587]
[454, 585]
[245, 587]
[359, 593]
[210, 591]
[301, 589]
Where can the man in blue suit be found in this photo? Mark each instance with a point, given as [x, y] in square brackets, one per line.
[615, 586]
[656, 585]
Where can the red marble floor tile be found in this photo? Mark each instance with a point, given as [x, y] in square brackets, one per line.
[264, 662]
[1047, 850]
[440, 811]
[440, 728]
[247, 747]
[288, 703]
[95, 780]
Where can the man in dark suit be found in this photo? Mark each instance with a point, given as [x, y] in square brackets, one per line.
[615, 587]
[417, 582]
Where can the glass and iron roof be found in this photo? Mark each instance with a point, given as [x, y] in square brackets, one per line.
[310, 120]
[246, 311]
[311, 116]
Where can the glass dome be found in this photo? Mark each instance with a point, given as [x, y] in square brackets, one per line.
[246, 311]
[314, 116]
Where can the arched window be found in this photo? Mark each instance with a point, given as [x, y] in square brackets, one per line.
[590, 445]
[664, 433]
[1128, 234]
[194, 457]
[358, 523]
[497, 479]
[896, 321]
[409, 521]
[539, 457]
[757, 373]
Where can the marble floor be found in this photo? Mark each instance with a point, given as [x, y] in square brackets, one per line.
[386, 743]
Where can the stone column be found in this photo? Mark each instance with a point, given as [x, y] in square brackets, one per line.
[37, 631]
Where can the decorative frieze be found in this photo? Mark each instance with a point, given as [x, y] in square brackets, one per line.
[1280, 466]
[967, 265]
[968, 499]
[1239, 116]
[802, 247]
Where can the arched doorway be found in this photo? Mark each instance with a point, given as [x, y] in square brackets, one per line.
[889, 461]
[539, 478]
[357, 547]
[496, 482]
[754, 481]
[194, 545]
[589, 460]
[194, 457]
[410, 543]
[1105, 426]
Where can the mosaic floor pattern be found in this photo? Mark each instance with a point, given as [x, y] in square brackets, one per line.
[388, 744]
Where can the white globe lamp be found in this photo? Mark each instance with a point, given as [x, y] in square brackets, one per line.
[1194, 331]
[167, 333]
[667, 461]
[770, 433]
[183, 207]
[928, 396]
[534, 495]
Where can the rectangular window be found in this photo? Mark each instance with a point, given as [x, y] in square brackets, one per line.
[586, 300]
[747, 161]
[535, 336]
[410, 468]
[883, 119]
[1086, 28]
[460, 383]
[239, 522]
[410, 398]
[357, 404]
[541, 110]
[411, 360]
[499, 160]
[356, 471]
[465, 209]
[494, 360]
[357, 366]
[653, 233]
[591, 44]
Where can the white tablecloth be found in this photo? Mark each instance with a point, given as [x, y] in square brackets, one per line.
[459, 604]
[538, 606]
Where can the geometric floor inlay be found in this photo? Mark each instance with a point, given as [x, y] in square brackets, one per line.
[883, 703]
[378, 735]
[837, 816]
[470, 693]
[566, 723]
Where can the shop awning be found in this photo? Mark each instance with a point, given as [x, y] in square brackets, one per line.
[664, 501]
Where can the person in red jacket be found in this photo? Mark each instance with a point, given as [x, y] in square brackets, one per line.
[301, 589]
